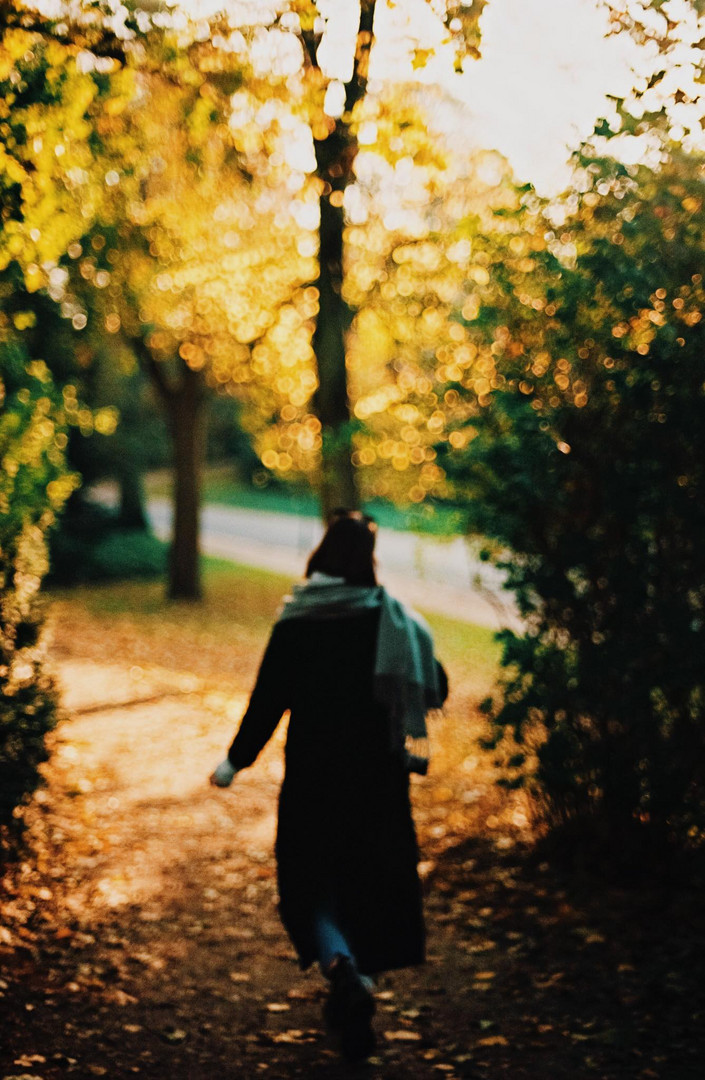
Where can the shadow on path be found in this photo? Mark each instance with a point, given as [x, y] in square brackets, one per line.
[145, 941]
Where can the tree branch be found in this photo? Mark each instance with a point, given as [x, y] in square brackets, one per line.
[311, 41]
[90, 35]
[152, 368]
[356, 87]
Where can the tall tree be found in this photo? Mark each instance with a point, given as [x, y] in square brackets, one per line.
[187, 265]
[192, 251]
[335, 99]
[336, 147]
[331, 108]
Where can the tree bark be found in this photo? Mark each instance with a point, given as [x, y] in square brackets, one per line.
[335, 156]
[184, 398]
[131, 514]
[187, 423]
[338, 481]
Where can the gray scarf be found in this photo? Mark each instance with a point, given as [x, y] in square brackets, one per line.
[405, 672]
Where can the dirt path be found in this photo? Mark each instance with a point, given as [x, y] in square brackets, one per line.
[146, 942]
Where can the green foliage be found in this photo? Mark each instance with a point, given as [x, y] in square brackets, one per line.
[50, 185]
[586, 472]
[91, 546]
[33, 486]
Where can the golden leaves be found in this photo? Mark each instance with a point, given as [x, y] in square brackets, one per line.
[421, 57]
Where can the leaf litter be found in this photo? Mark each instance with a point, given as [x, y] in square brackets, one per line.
[139, 934]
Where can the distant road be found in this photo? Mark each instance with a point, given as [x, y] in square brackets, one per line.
[443, 576]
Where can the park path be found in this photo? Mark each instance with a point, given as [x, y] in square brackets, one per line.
[153, 947]
[443, 575]
[142, 938]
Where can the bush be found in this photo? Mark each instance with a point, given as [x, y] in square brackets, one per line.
[91, 546]
[33, 486]
[587, 471]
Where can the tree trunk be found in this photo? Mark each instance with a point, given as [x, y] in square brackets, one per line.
[184, 399]
[131, 514]
[336, 149]
[187, 422]
[338, 481]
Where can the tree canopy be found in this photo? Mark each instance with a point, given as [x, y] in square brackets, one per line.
[241, 205]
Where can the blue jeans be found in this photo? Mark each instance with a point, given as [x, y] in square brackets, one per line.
[330, 940]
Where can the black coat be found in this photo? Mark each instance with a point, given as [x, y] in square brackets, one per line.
[345, 838]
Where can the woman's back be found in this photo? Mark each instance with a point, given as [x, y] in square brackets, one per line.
[327, 666]
[357, 672]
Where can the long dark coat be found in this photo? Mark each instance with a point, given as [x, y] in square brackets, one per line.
[345, 839]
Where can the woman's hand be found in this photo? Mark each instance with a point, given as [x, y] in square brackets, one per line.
[222, 775]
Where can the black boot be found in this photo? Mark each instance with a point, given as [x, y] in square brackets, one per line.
[349, 1010]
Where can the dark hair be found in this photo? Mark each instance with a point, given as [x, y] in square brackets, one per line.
[347, 549]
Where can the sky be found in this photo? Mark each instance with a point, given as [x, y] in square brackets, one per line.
[542, 81]
[540, 85]
[537, 91]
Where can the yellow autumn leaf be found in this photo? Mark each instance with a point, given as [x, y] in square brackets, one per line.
[493, 1040]
[421, 58]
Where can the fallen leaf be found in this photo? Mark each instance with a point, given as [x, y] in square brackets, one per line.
[295, 1036]
[303, 994]
[119, 997]
[493, 1040]
[544, 983]
[479, 946]
[404, 1035]
[177, 1035]
[590, 936]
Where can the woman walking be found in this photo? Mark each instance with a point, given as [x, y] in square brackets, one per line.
[357, 672]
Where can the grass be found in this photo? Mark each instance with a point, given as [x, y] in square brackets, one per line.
[236, 598]
[248, 597]
[220, 639]
[465, 645]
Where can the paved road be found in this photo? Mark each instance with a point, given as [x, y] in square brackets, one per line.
[439, 575]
